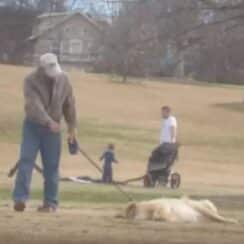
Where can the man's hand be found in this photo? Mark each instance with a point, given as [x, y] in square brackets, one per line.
[11, 173]
[72, 142]
[72, 135]
[54, 126]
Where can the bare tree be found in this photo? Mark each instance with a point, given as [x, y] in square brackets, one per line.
[162, 36]
[139, 37]
[16, 27]
[156, 37]
[51, 5]
[16, 23]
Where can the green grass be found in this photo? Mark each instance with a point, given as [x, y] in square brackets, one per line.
[99, 194]
[10, 129]
[89, 129]
[220, 142]
[94, 132]
[235, 106]
[76, 195]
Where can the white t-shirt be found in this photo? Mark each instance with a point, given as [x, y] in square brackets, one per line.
[165, 135]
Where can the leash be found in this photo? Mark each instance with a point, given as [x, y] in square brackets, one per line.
[14, 169]
[94, 164]
[133, 179]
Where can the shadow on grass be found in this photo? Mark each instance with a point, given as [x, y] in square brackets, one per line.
[96, 194]
[227, 202]
[234, 106]
[102, 194]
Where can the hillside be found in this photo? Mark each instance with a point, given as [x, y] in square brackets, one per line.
[211, 130]
[212, 139]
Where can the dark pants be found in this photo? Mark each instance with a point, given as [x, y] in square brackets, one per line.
[163, 157]
[107, 174]
[37, 138]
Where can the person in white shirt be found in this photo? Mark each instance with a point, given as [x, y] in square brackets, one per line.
[163, 157]
[168, 132]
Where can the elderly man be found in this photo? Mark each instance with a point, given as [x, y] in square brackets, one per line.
[48, 97]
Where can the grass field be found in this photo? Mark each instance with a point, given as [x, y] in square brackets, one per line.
[211, 160]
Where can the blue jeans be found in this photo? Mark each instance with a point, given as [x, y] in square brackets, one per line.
[107, 174]
[38, 138]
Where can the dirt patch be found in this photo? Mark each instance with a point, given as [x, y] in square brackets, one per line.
[212, 153]
[98, 225]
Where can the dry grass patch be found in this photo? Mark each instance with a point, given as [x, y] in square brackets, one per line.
[211, 158]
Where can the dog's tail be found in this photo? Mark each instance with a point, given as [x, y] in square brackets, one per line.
[210, 214]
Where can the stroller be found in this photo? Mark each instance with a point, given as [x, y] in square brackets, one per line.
[159, 171]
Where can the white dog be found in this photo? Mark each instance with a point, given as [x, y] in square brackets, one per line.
[175, 210]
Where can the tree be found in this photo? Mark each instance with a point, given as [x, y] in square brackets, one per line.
[38, 5]
[15, 28]
[160, 36]
[16, 24]
[140, 36]
[52, 5]
[19, 4]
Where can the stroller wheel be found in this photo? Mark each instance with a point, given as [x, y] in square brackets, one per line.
[163, 180]
[175, 180]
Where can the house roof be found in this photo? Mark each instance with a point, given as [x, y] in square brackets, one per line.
[46, 15]
[67, 17]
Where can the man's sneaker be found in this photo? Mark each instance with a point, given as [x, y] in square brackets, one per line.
[47, 208]
[19, 206]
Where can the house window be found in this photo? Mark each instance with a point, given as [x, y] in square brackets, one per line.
[75, 47]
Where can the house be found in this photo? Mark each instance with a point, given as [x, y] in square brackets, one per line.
[72, 36]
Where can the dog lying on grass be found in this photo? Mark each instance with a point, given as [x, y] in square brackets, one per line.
[182, 210]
